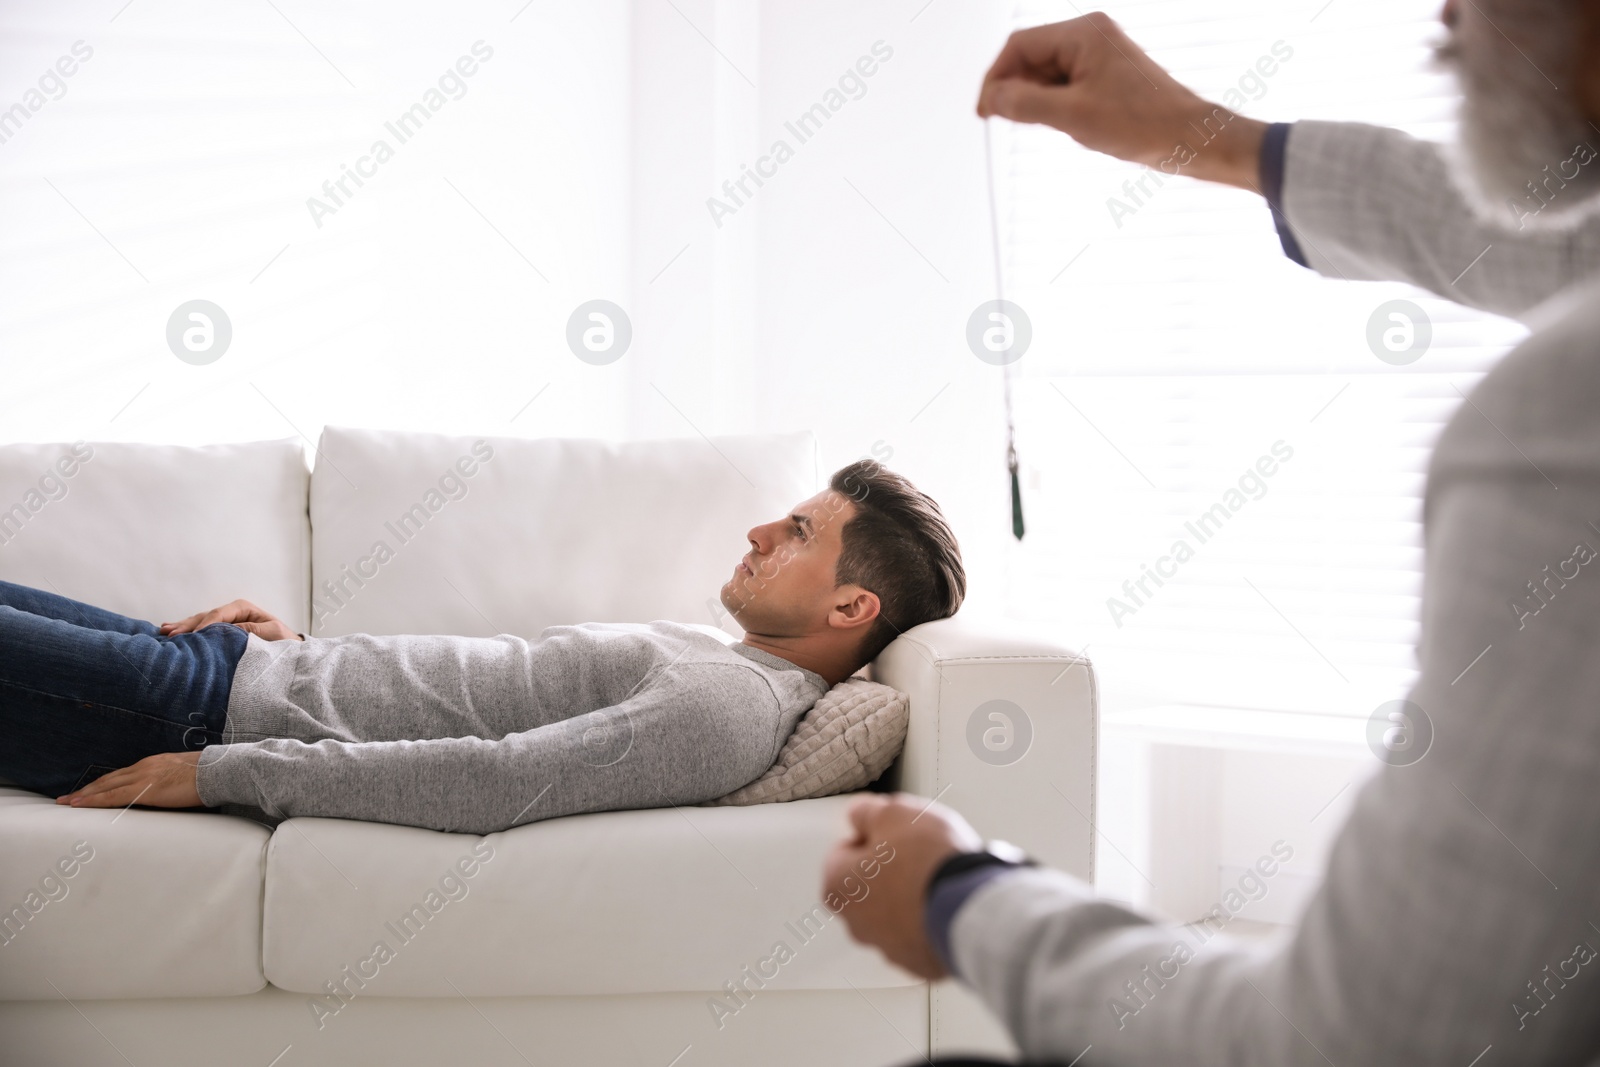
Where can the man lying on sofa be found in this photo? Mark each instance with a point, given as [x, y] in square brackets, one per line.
[471, 734]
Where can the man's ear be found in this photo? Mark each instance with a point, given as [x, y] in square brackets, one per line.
[853, 607]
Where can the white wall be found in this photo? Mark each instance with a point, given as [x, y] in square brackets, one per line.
[695, 365]
[178, 164]
[863, 326]
[805, 307]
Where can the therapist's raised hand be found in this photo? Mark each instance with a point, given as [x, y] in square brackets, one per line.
[1087, 78]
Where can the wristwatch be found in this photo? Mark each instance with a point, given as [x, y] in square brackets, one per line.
[995, 853]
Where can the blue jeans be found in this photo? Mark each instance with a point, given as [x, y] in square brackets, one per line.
[84, 691]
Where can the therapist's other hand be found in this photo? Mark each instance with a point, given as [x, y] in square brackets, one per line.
[901, 840]
[1086, 78]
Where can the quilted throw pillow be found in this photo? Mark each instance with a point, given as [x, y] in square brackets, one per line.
[845, 741]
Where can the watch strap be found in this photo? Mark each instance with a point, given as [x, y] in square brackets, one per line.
[994, 854]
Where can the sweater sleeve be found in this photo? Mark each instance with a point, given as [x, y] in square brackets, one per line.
[700, 734]
[1457, 909]
[1367, 203]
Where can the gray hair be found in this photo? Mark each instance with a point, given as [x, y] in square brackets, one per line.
[1531, 155]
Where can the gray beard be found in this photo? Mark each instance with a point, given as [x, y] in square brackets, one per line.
[1531, 158]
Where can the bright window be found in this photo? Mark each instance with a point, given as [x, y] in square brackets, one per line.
[1175, 347]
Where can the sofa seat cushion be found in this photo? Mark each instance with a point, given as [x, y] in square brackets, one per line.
[112, 903]
[659, 900]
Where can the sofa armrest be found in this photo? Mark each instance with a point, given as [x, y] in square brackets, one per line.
[1004, 728]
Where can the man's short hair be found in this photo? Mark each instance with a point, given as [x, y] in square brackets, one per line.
[898, 546]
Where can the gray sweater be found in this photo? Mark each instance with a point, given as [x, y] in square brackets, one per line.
[478, 734]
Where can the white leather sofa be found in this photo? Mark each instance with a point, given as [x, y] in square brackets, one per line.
[203, 938]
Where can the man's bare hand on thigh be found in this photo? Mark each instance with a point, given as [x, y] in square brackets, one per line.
[240, 613]
[165, 780]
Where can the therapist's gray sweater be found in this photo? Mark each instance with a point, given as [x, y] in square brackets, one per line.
[478, 734]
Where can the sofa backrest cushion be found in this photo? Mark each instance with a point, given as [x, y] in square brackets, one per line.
[159, 531]
[426, 533]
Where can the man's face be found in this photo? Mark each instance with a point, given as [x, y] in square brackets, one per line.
[784, 585]
[1517, 62]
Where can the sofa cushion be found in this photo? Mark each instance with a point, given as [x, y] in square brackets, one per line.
[159, 532]
[424, 533]
[844, 742]
[660, 900]
[106, 902]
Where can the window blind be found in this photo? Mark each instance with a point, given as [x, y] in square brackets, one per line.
[1179, 357]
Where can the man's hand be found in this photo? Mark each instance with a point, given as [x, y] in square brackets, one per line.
[1087, 78]
[240, 613]
[165, 780]
[889, 916]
